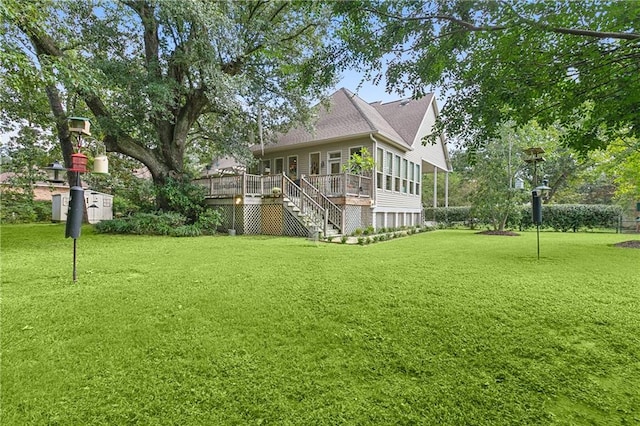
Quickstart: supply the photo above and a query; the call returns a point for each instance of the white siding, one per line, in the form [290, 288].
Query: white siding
[303, 154]
[434, 154]
[397, 199]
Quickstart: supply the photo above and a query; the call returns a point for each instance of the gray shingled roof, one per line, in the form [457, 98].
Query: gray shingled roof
[349, 115]
[405, 115]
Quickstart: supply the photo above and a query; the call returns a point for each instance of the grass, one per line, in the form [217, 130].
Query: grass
[446, 327]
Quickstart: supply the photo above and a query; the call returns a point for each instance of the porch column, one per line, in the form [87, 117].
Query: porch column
[446, 188]
[435, 187]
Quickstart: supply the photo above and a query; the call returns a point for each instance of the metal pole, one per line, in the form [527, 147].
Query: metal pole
[538, 237]
[75, 274]
[75, 271]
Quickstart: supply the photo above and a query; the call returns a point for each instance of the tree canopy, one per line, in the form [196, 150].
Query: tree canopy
[576, 63]
[166, 80]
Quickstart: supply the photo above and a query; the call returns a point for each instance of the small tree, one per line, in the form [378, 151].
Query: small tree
[360, 163]
[496, 201]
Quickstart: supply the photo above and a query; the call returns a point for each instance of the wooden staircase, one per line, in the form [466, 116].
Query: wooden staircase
[312, 209]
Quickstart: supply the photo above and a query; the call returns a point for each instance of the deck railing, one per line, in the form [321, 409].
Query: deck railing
[222, 186]
[341, 185]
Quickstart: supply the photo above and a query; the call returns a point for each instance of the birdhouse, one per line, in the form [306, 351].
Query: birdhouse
[80, 125]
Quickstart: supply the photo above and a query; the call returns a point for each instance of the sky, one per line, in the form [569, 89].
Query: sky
[352, 79]
[370, 93]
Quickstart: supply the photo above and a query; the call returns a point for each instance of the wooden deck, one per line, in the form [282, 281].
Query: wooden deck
[344, 185]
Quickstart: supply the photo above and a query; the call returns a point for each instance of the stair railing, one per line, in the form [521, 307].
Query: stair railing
[334, 213]
[307, 205]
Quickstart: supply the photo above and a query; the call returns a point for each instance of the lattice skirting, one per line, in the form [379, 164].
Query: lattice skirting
[261, 219]
[357, 217]
[272, 218]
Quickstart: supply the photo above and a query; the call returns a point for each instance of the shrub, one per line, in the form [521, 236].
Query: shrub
[449, 216]
[208, 221]
[184, 197]
[343, 239]
[186, 231]
[143, 224]
[573, 217]
[17, 208]
[361, 241]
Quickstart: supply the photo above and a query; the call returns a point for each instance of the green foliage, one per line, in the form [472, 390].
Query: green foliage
[359, 163]
[568, 62]
[22, 208]
[168, 82]
[208, 221]
[559, 217]
[143, 224]
[186, 231]
[575, 217]
[183, 196]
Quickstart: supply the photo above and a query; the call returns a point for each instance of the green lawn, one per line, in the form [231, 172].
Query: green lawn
[446, 327]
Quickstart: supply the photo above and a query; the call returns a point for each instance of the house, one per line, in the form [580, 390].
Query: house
[300, 182]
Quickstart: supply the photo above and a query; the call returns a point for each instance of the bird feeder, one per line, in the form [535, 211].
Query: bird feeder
[80, 125]
[79, 163]
[54, 172]
[101, 165]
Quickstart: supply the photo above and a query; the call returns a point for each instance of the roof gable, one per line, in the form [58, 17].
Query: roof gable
[349, 116]
[405, 116]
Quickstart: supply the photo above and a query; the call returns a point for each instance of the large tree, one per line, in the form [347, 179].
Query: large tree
[165, 79]
[572, 62]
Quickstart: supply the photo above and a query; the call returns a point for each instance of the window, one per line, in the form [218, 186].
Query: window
[404, 176]
[314, 163]
[265, 167]
[396, 173]
[411, 177]
[418, 179]
[334, 162]
[387, 171]
[278, 166]
[355, 150]
[379, 168]
[292, 167]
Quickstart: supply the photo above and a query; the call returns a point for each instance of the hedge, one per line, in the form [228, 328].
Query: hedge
[559, 217]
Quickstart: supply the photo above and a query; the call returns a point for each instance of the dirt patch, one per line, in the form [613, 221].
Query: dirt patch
[503, 233]
[629, 244]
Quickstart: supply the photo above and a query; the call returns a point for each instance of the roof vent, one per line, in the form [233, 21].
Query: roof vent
[404, 102]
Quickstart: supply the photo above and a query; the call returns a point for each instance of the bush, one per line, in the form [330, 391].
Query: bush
[186, 231]
[208, 221]
[449, 216]
[184, 197]
[143, 224]
[21, 208]
[560, 217]
[574, 217]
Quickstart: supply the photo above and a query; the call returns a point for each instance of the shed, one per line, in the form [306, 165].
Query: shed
[99, 206]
